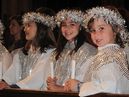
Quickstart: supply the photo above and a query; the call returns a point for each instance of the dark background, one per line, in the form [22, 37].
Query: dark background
[11, 7]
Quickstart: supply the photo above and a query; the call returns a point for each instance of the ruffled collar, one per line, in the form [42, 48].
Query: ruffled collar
[108, 46]
[70, 45]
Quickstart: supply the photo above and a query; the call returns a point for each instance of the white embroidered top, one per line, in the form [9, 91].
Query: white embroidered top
[107, 72]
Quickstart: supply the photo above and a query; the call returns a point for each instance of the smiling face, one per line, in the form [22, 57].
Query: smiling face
[70, 29]
[30, 30]
[102, 33]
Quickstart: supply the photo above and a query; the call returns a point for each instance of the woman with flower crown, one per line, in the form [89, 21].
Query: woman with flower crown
[29, 68]
[73, 46]
[107, 70]
[5, 57]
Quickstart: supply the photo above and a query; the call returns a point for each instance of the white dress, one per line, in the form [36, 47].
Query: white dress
[63, 67]
[5, 60]
[30, 72]
[107, 72]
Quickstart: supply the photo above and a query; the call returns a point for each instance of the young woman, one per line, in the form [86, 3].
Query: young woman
[72, 45]
[29, 65]
[107, 70]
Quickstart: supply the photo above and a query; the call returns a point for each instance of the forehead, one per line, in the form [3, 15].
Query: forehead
[97, 22]
[29, 22]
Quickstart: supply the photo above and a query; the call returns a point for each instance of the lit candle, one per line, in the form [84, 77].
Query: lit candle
[73, 69]
[52, 69]
[1, 71]
[30, 72]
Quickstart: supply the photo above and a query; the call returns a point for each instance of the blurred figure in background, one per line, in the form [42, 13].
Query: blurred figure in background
[16, 30]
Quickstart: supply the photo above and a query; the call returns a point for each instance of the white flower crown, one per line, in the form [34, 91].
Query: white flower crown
[111, 17]
[40, 18]
[74, 15]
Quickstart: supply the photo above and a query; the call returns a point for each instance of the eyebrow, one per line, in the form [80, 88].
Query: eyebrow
[102, 25]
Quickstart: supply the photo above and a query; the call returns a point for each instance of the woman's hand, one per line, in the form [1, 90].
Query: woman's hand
[51, 81]
[52, 86]
[3, 85]
[71, 85]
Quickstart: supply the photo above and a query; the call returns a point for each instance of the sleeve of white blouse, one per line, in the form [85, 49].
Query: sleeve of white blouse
[103, 80]
[36, 80]
[6, 61]
[39, 75]
[12, 74]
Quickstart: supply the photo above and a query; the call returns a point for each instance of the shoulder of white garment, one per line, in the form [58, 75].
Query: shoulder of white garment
[3, 49]
[89, 48]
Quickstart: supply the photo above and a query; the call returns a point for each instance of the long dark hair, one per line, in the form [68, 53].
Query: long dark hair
[82, 37]
[44, 38]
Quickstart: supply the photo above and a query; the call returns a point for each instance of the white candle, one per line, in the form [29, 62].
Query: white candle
[1, 71]
[52, 69]
[73, 69]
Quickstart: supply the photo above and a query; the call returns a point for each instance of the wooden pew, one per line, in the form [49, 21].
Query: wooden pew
[108, 95]
[34, 93]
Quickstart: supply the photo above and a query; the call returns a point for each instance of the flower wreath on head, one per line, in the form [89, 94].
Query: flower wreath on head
[40, 18]
[110, 17]
[75, 15]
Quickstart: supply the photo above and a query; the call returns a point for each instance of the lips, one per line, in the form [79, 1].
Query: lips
[68, 33]
[98, 40]
[26, 33]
